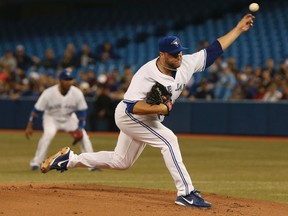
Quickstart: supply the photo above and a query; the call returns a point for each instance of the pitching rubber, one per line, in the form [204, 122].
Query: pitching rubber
[45, 166]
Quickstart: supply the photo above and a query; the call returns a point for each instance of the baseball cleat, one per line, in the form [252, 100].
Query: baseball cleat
[193, 199]
[57, 161]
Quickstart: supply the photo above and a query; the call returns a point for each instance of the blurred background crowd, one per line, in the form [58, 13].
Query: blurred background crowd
[21, 76]
[105, 47]
[224, 80]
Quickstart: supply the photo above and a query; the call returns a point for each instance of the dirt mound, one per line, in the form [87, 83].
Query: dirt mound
[41, 199]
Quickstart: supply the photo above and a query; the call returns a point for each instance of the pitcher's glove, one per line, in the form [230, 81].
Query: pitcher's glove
[77, 136]
[159, 94]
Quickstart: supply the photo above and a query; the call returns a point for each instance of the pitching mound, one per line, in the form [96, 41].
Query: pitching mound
[38, 199]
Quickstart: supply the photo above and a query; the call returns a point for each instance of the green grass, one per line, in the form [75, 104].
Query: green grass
[241, 168]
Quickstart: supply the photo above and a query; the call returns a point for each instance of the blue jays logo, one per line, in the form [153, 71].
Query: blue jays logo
[176, 42]
[68, 72]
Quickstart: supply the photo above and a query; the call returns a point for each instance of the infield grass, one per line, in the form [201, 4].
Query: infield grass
[248, 168]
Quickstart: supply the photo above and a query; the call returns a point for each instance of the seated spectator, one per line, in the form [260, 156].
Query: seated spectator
[284, 93]
[250, 89]
[215, 69]
[232, 64]
[85, 57]
[49, 61]
[4, 72]
[257, 75]
[103, 109]
[33, 88]
[270, 66]
[272, 94]
[241, 79]
[91, 78]
[24, 61]
[70, 47]
[248, 72]
[106, 52]
[126, 78]
[238, 94]
[203, 91]
[120, 84]
[87, 91]
[83, 77]
[9, 60]
[224, 87]
[266, 78]
[46, 81]
[113, 80]
[261, 91]
[67, 60]
[185, 95]
[282, 71]
[20, 84]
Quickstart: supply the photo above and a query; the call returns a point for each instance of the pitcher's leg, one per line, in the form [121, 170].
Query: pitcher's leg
[174, 163]
[157, 135]
[125, 154]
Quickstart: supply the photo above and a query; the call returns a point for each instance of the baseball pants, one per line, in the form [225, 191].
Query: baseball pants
[50, 127]
[137, 131]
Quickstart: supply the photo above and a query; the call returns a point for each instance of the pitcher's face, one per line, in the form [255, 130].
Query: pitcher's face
[173, 60]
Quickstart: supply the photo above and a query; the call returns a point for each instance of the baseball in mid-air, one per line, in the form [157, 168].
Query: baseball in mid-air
[254, 7]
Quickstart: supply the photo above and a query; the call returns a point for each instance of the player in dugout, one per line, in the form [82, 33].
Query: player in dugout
[140, 122]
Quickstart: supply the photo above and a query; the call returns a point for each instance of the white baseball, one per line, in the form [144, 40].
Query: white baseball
[254, 7]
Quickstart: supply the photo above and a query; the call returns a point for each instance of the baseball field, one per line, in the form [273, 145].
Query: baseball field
[239, 175]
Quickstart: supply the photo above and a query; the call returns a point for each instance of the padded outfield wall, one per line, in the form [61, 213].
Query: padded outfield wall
[230, 118]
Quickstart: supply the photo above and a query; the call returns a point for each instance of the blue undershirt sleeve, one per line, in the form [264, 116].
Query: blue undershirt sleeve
[130, 106]
[32, 117]
[38, 112]
[81, 114]
[213, 51]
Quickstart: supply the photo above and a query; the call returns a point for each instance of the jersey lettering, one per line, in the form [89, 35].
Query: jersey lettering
[73, 107]
[180, 87]
[55, 106]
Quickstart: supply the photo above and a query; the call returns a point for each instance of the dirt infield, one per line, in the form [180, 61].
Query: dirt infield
[87, 199]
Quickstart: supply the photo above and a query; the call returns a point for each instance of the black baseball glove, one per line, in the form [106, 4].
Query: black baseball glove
[159, 94]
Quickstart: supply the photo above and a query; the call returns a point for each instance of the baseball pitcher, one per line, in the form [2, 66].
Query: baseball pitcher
[150, 96]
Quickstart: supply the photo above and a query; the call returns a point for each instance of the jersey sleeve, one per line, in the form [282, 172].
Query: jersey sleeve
[195, 62]
[213, 51]
[42, 102]
[82, 104]
[134, 93]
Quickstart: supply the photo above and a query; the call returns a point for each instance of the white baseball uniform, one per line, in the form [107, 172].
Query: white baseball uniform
[59, 114]
[139, 130]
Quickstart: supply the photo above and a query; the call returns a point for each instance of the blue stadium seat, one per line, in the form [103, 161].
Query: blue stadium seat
[40, 33]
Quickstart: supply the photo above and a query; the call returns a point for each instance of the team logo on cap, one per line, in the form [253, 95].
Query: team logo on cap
[176, 42]
[68, 72]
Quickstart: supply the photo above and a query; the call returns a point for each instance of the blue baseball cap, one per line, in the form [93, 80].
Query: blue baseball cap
[170, 44]
[66, 74]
